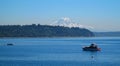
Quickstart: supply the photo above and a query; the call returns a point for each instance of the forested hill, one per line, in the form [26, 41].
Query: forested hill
[42, 31]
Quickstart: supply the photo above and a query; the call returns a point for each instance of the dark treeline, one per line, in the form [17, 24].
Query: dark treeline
[42, 31]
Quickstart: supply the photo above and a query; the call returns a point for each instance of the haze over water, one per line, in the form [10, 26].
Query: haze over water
[59, 52]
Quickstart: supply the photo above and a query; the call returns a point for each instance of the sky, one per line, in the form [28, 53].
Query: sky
[103, 15]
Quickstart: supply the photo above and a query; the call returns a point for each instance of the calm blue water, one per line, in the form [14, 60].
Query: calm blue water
[59, 52]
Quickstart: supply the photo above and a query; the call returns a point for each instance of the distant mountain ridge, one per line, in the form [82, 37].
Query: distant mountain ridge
[107, 34]
[67, 22]
[43, 31]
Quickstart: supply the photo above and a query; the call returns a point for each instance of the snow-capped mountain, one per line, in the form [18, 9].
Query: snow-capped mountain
[67, 22]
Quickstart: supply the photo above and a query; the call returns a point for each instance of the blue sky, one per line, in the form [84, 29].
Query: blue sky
[103, 15]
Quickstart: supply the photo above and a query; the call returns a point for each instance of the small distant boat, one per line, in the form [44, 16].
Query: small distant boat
[9, 44]
[92, 47]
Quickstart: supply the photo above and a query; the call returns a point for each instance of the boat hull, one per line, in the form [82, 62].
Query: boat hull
[91, 49]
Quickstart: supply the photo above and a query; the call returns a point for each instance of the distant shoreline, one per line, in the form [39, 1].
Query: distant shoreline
[61, 37]
[43, 31]
[107, 34]
[45, 37]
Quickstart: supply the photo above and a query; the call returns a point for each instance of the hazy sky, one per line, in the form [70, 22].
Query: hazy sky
[103, 15]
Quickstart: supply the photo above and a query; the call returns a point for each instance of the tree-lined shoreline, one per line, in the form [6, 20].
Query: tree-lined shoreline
[43, 31]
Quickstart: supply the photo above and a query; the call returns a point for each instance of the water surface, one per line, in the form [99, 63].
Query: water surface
[59, 52]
